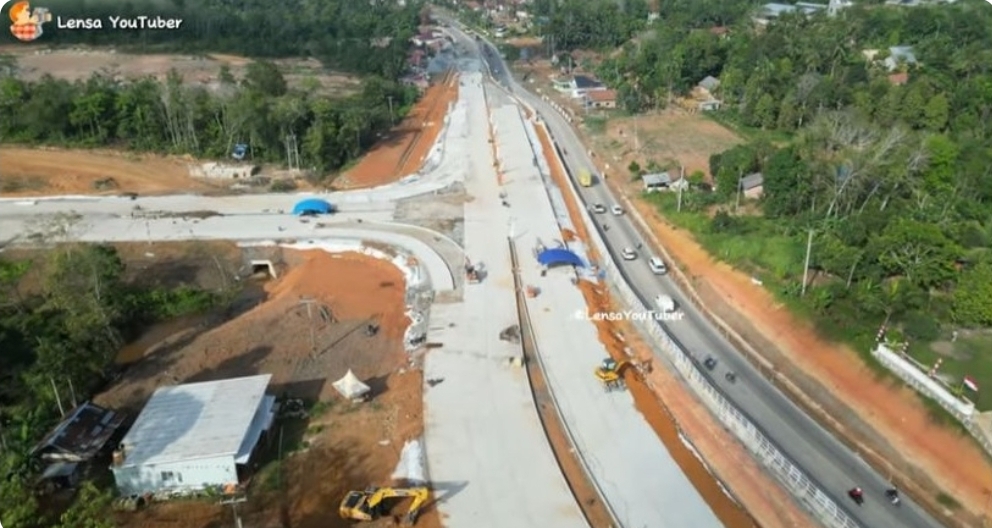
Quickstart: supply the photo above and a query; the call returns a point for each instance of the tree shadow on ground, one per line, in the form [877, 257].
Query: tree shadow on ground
[246, 364]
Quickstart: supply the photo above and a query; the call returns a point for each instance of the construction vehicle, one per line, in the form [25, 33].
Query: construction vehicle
[370, 504]
[585, 178]
[610, 374]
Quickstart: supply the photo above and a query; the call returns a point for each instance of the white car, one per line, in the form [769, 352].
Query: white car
[628, 254]
[617, 210]
[657, 266]
[599, 208]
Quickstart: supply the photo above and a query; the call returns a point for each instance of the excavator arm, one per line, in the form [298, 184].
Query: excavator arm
[368, 505]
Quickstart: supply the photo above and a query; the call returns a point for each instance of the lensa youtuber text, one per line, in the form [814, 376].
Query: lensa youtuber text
[118, 22]
[628, 315]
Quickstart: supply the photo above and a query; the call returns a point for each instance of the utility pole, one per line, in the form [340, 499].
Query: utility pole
[637, 141]
[681, 186]
[809, 250]
[234, 501]
[292, 152]
[740, 187]
[313, 335]
[58, 399]
[391, 118]
[72, 392]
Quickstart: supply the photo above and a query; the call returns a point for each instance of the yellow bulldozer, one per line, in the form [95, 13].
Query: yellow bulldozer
[370, 504]
[610, 374]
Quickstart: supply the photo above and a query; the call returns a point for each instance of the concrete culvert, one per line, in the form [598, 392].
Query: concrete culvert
[263, 268]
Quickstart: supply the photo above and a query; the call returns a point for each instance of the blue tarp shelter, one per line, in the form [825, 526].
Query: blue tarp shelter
[550, 257]
[312, 206]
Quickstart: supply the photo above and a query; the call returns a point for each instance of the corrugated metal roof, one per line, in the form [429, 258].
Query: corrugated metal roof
[195, 420]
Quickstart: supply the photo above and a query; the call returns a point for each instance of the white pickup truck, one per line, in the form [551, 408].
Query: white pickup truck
[665, 303]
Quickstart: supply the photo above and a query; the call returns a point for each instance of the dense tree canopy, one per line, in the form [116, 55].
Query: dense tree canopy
[177, 118]
[888, 166]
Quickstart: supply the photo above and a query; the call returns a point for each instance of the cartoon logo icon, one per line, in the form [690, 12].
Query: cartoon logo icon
[27, 23]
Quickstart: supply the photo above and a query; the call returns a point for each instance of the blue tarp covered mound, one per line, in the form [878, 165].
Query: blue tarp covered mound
[312, 206]
[551, 257]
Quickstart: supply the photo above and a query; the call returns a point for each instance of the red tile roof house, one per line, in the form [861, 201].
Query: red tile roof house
[600, 99]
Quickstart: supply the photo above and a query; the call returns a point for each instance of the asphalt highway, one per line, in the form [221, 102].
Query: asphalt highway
[829, 464]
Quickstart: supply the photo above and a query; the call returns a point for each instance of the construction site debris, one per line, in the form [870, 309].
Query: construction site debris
[410, 469]
[511, 334]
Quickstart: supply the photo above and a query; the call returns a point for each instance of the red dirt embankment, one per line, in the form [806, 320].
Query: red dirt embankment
[404, 150]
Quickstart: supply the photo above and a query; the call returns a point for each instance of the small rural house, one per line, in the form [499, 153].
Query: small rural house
[600, 99]
[80, 435]
[76, 440]
[656, 182]
[752, 185]
[194, 436]
[578, 86]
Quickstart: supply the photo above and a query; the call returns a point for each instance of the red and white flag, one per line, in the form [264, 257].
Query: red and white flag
[970, 383]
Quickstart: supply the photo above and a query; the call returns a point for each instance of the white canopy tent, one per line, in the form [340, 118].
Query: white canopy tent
[351, 387]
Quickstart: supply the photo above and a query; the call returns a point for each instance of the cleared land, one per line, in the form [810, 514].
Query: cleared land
[79, 63]
[340, 446]
[403, 150]
[664, 138]
[44, 171]
[38, 172]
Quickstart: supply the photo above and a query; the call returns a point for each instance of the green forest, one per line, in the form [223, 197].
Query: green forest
[883, 170]
[261, 110]
[65, 331]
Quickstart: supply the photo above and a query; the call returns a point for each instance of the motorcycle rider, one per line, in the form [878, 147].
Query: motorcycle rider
[857, 494]
[893, 495]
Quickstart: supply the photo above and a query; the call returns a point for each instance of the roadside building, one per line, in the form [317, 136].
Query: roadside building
[657, 182]
[194, 436]
[600, 99]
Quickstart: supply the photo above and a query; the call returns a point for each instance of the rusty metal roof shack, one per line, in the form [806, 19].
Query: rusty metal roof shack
[81, 435]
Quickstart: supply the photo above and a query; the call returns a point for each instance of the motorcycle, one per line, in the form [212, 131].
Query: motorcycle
[857, 496]
[893, 496]
[731, 377]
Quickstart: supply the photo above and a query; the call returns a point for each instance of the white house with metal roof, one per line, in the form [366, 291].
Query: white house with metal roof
[194, 436]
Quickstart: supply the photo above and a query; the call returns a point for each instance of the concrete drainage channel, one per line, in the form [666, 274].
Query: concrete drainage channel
[588, 496]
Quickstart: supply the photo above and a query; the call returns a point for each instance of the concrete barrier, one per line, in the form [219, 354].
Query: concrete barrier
[902, 367]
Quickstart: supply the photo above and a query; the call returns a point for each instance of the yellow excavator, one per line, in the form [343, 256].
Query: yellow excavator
[369, 505]
[610, 374]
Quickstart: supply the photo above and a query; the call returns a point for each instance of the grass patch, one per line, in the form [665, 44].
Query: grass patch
[12, 184]
[947, 501]
[765, 251]
[730, 119]
[268, 477]
[595, 124]
[967, 356]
